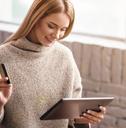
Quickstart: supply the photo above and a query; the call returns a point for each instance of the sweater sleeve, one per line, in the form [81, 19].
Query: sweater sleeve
[77, 92]
[1, 115]
[82, 126]
[77, 85]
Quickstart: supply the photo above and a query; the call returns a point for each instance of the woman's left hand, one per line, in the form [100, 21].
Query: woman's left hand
[92, 117]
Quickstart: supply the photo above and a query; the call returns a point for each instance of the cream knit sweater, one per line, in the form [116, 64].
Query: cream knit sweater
[40, 76]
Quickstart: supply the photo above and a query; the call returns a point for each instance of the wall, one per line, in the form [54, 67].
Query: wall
[103, 72]
[4, 35]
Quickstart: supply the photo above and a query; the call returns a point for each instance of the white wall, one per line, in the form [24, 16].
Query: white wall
[5, 9]
[104, 17]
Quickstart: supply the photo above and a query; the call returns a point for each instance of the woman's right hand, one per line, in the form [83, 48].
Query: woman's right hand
[5, 92]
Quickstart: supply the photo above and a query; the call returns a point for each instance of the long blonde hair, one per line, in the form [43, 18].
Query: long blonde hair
[40, 9]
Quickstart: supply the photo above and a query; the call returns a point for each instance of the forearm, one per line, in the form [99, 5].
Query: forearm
[73, 124]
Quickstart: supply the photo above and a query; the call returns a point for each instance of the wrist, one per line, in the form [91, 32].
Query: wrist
[79, 124]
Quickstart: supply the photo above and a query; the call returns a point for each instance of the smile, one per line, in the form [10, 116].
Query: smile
[50, 41]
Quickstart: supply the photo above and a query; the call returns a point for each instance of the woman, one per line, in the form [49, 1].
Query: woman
[41, 70]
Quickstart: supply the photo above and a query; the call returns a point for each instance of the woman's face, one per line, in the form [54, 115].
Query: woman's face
[49, 29]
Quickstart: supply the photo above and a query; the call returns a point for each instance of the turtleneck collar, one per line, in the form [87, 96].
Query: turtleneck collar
[26, 45]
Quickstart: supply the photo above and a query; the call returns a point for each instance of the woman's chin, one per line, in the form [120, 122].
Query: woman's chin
[48, 44]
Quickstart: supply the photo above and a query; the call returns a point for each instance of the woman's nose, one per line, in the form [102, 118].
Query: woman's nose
[56, 34]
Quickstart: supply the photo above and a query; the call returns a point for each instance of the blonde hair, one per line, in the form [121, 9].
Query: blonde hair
[40, 9]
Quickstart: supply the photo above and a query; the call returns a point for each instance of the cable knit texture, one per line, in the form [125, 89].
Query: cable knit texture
[40, 76]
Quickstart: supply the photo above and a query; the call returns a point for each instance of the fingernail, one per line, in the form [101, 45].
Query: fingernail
[6, 78]
[88, 111]
[84, 114]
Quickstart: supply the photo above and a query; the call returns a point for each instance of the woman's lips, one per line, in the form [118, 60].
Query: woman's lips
[49, 40]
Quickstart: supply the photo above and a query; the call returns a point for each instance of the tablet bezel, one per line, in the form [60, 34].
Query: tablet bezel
[70, 108]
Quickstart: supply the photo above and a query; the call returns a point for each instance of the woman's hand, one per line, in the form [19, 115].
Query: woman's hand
[5, 91]
[92, 117]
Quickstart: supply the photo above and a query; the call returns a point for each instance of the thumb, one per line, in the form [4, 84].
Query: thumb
[3, 100]
[7, 91]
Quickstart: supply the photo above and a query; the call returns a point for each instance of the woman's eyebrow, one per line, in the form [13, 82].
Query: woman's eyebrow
[57, 25]
[53, 23]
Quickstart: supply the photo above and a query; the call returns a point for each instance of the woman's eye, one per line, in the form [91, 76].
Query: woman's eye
[51, 26]
[63, 29]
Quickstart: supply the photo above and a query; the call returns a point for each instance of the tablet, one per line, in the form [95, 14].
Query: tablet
[70, 108]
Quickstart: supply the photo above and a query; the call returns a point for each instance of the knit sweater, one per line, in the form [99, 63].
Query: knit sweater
[41, 76]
